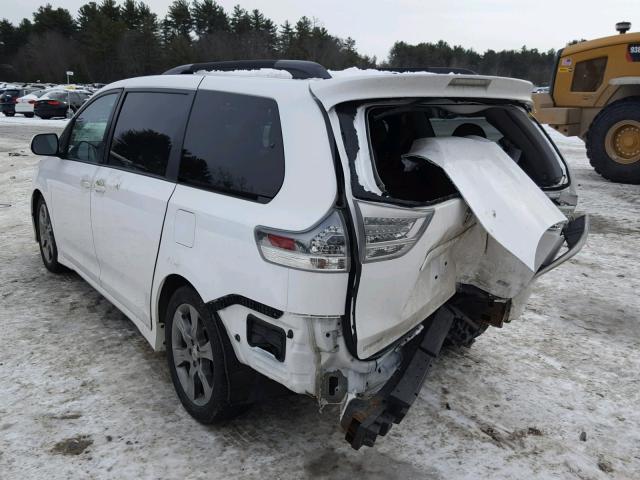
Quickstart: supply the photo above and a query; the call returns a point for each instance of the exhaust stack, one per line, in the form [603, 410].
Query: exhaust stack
[623, 27]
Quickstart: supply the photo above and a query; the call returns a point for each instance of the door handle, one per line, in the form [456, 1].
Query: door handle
[99, 186]
[85, 183]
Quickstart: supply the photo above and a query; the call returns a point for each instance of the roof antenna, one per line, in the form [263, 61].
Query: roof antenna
[623, 27]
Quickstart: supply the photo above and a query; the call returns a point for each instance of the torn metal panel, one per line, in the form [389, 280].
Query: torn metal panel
[508, 204]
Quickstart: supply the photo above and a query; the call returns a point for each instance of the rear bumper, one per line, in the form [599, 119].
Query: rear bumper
[24, 108]
[309, 356]
[365, 419]
[51, 112]
[575, 234]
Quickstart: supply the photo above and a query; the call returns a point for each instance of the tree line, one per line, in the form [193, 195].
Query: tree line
[107, 41]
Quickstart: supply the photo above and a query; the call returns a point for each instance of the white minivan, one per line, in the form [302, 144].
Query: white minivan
[271, 222]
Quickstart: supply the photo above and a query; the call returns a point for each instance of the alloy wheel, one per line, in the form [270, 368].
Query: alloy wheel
[46, 234]
[192, 354]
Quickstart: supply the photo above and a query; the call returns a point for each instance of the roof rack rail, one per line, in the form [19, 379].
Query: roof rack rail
[299, 69]
[445, 70]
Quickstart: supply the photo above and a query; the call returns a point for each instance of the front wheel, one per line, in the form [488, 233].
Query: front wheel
[9, 114]
[197, 358]
[46, 239]
[28, 115]
[613, 142]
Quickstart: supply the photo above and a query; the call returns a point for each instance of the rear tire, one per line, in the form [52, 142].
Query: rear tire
[613, 140]
[9, 114]
[45, 117]
[197, 358]
[28, 115]
[46, 239]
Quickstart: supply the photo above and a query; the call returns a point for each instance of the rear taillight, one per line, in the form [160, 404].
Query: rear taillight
[32, 102]
[53, 102]
[390, 234]
[321, 248]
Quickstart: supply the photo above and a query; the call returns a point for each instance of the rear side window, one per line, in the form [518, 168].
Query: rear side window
[149, 127]
[234, 145]
[588, 75]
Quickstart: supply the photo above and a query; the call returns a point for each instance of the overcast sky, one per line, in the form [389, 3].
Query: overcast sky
[376, 24]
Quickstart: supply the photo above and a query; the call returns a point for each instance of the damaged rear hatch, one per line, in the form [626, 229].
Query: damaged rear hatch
[452, 184]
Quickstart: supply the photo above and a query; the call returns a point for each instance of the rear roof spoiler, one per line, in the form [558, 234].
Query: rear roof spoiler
[299, 69]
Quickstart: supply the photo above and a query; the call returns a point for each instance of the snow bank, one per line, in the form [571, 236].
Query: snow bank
[21, 120]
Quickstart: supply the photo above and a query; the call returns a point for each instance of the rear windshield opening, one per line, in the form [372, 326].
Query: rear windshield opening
[393, 129]
[392, 135]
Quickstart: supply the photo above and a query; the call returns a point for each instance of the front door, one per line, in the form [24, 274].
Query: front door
[71, 182]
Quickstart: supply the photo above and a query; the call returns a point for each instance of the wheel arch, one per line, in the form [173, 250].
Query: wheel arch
[35, 198]
[619, 92]
[166, 289]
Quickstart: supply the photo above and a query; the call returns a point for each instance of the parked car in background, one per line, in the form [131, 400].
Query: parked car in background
[57, 102]
[9, 97]
[24, 105]
[540, 90]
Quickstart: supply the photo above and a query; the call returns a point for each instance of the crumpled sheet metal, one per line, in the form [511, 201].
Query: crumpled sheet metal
[509, 205]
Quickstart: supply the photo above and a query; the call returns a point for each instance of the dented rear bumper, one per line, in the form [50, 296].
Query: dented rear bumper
[364, 419]
[575, 234]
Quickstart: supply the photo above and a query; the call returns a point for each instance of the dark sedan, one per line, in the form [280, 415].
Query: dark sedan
[56, 104]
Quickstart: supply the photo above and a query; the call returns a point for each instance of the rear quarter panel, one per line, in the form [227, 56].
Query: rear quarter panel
[224, 258]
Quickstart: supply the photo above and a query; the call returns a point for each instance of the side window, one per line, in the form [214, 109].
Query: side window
[588, 75]
[234, 144]
[149, 126]
[86, 140]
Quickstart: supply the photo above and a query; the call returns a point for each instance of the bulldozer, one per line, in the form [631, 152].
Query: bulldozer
[594, 94]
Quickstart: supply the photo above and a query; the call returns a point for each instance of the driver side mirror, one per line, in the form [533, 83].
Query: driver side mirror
[45, 144]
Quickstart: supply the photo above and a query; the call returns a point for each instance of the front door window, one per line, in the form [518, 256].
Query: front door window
[86, 142]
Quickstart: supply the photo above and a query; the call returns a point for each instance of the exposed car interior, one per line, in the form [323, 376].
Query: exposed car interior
[393, 129]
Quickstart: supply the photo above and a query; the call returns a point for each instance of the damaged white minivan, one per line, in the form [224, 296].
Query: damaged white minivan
[267, 222]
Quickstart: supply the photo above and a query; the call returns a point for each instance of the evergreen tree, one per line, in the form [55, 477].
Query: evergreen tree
[240, 21]
[178, 22]
[209, 17]
[46, 19]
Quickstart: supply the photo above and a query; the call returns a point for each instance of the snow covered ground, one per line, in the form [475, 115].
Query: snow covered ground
[553, 395]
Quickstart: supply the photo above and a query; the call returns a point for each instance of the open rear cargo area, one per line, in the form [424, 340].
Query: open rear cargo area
[451, 197]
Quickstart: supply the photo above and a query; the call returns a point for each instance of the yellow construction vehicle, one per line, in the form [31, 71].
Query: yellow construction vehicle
[595, 94]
